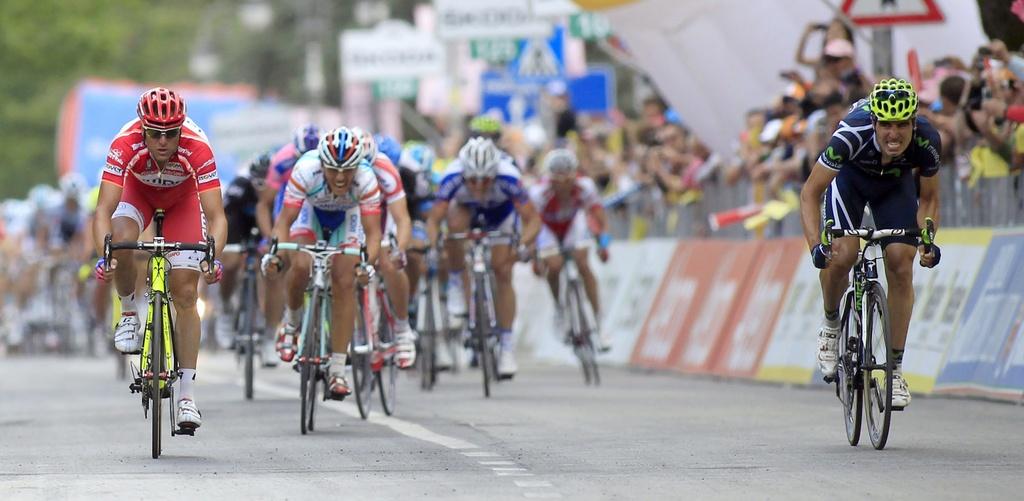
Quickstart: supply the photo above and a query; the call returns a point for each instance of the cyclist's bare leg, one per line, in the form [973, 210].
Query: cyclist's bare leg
[343, 304]
[899, 273]
[414, 266]
[297, 276]
[184, 289]
[589, 280]
[397, 284]
[273, 299]
[502, 259]
[836, 278]
[553, 266]
[125, 229]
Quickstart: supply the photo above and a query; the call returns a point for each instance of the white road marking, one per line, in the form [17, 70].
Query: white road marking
[513, 474]
[481, 454]
[406, 428]
[542, 495]
[509, 469]
[532, 483]
[497, 463]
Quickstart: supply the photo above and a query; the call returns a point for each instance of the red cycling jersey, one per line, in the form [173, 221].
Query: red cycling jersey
[558, 214]
[191, 169]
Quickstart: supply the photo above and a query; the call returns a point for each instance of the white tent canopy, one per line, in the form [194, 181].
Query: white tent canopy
[714, 60]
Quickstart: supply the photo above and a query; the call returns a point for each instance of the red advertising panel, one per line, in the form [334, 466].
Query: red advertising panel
[724, 268]
[671, 309]
[748, 330]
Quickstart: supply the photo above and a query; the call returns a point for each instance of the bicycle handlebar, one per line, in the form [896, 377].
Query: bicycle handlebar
[159, 245]
[477, 235]
[927, 234]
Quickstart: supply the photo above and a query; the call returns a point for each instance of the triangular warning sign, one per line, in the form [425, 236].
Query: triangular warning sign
[537, 60]
[887, 12]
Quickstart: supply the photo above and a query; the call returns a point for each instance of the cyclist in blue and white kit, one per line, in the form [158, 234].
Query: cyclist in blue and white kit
[332, 195]
[870, 160]
[481, 185]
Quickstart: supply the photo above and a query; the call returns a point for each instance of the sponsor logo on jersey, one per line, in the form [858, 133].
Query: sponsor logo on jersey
[208, 177]
[184, 151]
[115, 155]
[831, 154]
[138, 146]
[113, 169]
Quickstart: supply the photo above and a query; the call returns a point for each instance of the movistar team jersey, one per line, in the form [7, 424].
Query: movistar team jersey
[854, 144]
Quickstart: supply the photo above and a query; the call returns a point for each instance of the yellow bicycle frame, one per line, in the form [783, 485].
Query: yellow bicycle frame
[158, 266]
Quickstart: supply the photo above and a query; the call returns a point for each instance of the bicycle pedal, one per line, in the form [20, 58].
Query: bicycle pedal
[898, 409]
[505, 377]
[190, 431]
[828, 379]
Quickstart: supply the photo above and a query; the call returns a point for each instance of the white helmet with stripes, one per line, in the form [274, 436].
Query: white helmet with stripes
[479, 158]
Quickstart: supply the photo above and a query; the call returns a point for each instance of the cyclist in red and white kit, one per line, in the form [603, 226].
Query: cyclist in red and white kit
[571, 210]
[162, 160]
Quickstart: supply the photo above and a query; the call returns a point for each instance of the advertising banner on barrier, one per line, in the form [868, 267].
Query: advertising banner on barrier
[728, 266]
[790, 356]
[940, 296]
[987, 353]
[689, 271]
[747, 333]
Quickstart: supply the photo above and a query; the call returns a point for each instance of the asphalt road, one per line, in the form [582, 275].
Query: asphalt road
[69, 430]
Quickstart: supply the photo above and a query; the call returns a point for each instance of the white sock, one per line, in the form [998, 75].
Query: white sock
[188, 377]
[127, 303]
[401, 324]
[338, 363]
[455, 278]
[293, 317]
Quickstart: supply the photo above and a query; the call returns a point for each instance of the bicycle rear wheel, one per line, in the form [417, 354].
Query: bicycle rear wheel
[308, 362]
[362, 366]
[427, 338]
[156, 367]
[878, 366]
[849, 389]
[387, 375]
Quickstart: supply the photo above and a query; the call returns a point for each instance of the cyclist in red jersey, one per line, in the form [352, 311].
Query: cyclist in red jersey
[571, 210]
[161, 160]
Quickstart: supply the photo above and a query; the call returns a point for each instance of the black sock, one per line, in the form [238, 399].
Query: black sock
[832, 315]
[897, 356]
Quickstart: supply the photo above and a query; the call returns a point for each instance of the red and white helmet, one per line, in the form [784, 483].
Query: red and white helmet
[161, 108]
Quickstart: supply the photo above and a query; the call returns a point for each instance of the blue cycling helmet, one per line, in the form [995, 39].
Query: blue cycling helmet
[306, 138]
[389, 147]
[418, 156]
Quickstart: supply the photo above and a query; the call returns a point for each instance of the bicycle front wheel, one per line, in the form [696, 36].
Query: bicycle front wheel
[362, 363]
[848, 388]
[878, 365]
[582, 345]
[482, 333]
[309, 362]
[387, 375]
[428, 338]
[156, 367]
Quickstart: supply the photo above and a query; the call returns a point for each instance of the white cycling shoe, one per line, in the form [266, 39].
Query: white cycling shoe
[225, 328]
[127, 338]
[900, 391]
[188, 416]
[507, 366]
[444, 360]
[456, 298]
[406, 344]
[827, 350]
[268, 352]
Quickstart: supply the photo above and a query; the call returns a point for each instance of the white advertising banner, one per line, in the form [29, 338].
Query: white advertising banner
[392, 50]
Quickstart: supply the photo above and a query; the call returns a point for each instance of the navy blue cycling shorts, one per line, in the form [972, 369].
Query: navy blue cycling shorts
[893, 202]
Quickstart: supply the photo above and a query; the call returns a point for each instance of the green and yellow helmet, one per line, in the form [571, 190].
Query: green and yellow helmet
[893, 99]
[485, 126]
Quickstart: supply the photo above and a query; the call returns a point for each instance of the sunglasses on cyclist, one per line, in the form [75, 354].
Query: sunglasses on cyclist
[890, 94]
[169, 133]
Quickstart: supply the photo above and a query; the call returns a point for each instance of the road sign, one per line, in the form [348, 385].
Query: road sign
[553, 8]
[497, 51]
[519, 99]
[465, 20]
[889, 12]
[589, 26]
[541, 58]
[392, 50]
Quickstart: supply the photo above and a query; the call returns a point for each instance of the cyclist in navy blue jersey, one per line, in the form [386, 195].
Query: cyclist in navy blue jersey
[871, 161]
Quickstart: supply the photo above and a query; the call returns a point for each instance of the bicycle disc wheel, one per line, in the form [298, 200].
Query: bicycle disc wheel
[427, 339]
[849, 390]
[307, 366]
[362, 367]
[387, 376]
[878, 367]
[248, 328]
[156, 366]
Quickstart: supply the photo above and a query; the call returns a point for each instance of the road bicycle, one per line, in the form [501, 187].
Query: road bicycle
[247, 332]
[864, 368]
[314, 345]
[574, 304]
[434, 330]
[157, 371]
[374, 348]
[482, 318]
